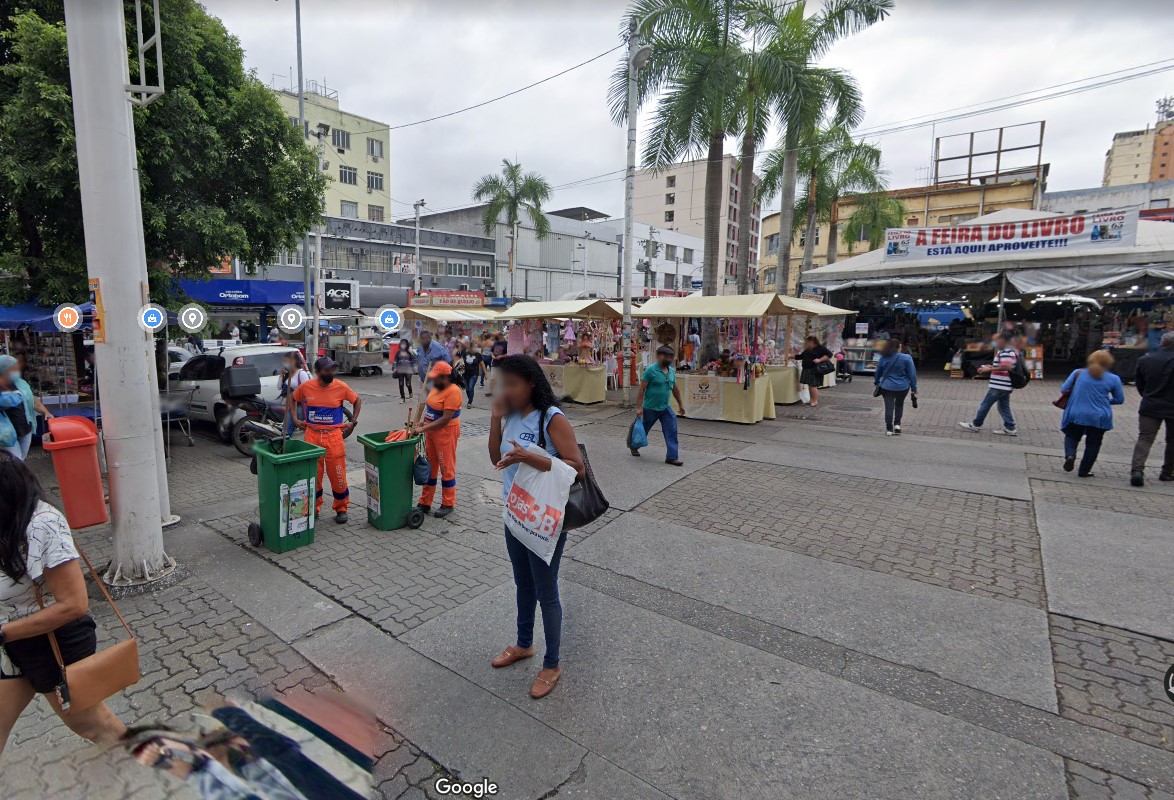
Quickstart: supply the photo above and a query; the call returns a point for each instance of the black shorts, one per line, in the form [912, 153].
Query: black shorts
[35, 660]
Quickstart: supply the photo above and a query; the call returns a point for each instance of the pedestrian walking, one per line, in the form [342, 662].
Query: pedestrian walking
[1092, 393]
[813, 353]
[658, 382]
[496, 354]
[403, 367]
[1155, 383]
[431, 353]
[896, 378]
[18, 409]
[38, 557]
[441, 428]
[326, 425]
[293, 375]
[525, 407]
[474, 372]
[486, 355]
[1000, 388]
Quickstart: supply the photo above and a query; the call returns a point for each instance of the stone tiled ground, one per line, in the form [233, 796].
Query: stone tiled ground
[980, 545]
[1090, 783]
[1105, 498]
[1112, 679]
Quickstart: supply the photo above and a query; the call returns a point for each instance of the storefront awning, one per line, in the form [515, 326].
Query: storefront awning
[38, 319]
[737, 306]
[447, 315]
[561, 309]
[228, 292]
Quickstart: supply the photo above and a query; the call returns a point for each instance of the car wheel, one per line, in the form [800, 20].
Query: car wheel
[224, 425]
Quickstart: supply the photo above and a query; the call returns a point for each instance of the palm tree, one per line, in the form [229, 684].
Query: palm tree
[873, 214]
[814, 94]
[695, 73]
[512, 194]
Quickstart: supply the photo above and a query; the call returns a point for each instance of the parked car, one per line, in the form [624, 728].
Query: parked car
[176, 357]
[201, 375]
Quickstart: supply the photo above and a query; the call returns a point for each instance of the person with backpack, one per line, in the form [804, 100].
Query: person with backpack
[1007, 374]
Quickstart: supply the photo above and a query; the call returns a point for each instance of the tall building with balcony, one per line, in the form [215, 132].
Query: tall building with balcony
[673, 199]
[353, 151]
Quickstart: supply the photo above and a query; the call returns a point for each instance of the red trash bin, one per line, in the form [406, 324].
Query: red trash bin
[73, 444]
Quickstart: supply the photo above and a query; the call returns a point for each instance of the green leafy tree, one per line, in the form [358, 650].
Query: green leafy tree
[871, 215]
[222, 171]
[510, 196]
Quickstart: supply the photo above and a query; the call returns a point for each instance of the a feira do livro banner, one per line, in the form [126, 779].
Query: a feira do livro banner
[1085, 231]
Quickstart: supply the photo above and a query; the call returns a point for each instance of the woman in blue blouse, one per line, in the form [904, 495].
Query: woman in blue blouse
[1089, 413]
[896, 378]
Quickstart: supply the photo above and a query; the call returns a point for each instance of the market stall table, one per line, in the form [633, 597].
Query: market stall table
[578, 382]
[727, 399]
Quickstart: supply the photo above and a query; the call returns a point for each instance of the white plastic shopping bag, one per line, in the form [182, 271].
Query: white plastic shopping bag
[804, 393]
[535, 505]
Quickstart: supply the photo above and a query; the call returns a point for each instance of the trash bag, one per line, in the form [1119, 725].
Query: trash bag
[637, 436]
[804, 393]
[421, 470]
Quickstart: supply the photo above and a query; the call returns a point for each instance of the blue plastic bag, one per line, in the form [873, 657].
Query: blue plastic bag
[421, 470]
[637, 436]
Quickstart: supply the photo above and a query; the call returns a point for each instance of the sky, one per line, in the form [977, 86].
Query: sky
[401, 61]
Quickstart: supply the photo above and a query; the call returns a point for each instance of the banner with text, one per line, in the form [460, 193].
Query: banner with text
[1085, 231]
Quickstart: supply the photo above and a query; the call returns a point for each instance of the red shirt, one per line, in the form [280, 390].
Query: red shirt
[323, 403]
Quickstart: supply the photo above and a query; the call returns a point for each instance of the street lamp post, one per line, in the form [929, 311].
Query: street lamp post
[417, 206]
[308, 296]
[637, 57]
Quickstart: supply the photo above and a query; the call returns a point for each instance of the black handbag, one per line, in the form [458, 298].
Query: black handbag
[586, 502]
[825, 367]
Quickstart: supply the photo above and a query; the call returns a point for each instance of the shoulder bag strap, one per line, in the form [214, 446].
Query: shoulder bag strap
[94, 573]
[542, 430]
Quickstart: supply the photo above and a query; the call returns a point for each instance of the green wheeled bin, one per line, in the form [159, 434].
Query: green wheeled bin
[389, 482]
[287, 487]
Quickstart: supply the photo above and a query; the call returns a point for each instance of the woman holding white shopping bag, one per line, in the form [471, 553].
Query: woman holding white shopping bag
[524, 418]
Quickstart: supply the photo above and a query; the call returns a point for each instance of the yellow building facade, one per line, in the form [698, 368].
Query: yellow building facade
[943, 204]
[353, 151]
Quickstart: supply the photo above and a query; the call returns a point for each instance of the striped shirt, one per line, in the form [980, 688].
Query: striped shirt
[1001, 376]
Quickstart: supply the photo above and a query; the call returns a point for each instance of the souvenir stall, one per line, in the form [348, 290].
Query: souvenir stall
[574, 340]
[447, 323]
[55, 364]
[736, 387]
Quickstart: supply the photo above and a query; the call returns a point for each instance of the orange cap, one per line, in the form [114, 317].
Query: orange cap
[440, 368]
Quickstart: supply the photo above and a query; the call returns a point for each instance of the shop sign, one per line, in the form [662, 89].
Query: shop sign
[554, 374]
[340, 295]
[1086, 231]
[706, 390]
[446, 299]
[99, 313]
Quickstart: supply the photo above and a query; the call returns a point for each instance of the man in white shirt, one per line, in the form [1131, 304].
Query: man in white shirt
[999, 391]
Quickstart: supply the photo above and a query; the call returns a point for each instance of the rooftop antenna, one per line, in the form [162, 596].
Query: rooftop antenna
[1165, 108]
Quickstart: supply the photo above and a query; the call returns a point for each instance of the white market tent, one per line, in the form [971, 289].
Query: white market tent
[735, 306]
[1033, 271]
[561, 309]
[447, 315]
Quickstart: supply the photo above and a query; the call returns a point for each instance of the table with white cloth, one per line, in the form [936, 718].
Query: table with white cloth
[727, 399]
[581, 383]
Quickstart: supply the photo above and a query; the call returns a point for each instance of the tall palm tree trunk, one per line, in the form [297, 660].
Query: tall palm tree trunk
[834, 233]
[714, 167]
[787, 207]
[746, 208]
[809, 242]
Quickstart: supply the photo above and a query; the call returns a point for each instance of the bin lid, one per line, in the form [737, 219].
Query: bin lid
[376, 441]
[67, 432]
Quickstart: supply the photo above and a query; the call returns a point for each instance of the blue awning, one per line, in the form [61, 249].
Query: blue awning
[227, 292]
[38, 319]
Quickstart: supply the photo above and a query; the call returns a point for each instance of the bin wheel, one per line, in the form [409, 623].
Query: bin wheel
[415, 518]
[255, 535]
[377, 370]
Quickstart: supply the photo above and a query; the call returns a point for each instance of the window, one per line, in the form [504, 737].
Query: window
[863, 235]
[1160, 203]
[803, 238]
[267, 364]
[480, 269]
[375, 181]
[688, 255]
[670, 251]
[669, 216]
[671, 198]
[772, 243]
[431, 266]
[348, 209]
[340, 139]
[374, 148]
[348, 175]
[375, 213]
[670, 281]
[376, 261]
[671, 181]
[911, 221]
[458, 268]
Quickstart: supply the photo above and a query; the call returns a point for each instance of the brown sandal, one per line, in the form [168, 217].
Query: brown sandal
[511, 655]
[545, 685]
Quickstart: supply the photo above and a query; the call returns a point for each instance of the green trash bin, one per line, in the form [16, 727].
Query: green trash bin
[287, 487]
[389, 482]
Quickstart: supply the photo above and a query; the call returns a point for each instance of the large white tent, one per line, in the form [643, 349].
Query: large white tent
[1029, 271]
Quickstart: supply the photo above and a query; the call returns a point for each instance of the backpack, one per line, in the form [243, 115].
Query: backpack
[1018, 374]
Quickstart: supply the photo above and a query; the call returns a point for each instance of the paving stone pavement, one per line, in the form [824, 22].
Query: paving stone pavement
[1112, 735]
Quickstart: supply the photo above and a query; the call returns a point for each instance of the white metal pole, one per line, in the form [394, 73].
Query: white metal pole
[116, 256]
[629, 198]
[312, 357]
[418, 279]
[308, 297]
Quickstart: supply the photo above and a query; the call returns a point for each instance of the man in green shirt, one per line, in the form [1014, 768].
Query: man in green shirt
[656, 384]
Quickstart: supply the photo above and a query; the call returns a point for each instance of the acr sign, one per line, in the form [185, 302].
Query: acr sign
[340, 295]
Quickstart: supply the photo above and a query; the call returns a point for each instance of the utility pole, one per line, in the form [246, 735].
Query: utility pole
[637, 57]
[116, 256]
[417, 206]
[317, 328]
[309, 302]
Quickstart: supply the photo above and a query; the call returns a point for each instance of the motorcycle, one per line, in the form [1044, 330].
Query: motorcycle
[263, 420]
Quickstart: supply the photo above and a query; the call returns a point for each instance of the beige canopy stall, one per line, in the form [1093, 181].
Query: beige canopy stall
[583, 380]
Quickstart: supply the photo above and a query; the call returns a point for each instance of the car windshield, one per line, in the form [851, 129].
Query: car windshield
[267, 364]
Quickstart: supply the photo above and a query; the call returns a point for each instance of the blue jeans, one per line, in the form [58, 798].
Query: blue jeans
[21, 448]
[537, 582]
[1001, 398]
[668, 426]
[471, 388]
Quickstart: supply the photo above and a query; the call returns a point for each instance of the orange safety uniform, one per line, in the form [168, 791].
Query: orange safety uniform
[441, 445]
[324, 424]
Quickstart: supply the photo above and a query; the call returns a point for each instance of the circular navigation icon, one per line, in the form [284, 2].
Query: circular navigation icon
[193, 318]
[1169, 683]
[390, 318]
[67, 317]
[152, 318]
[291, 318]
